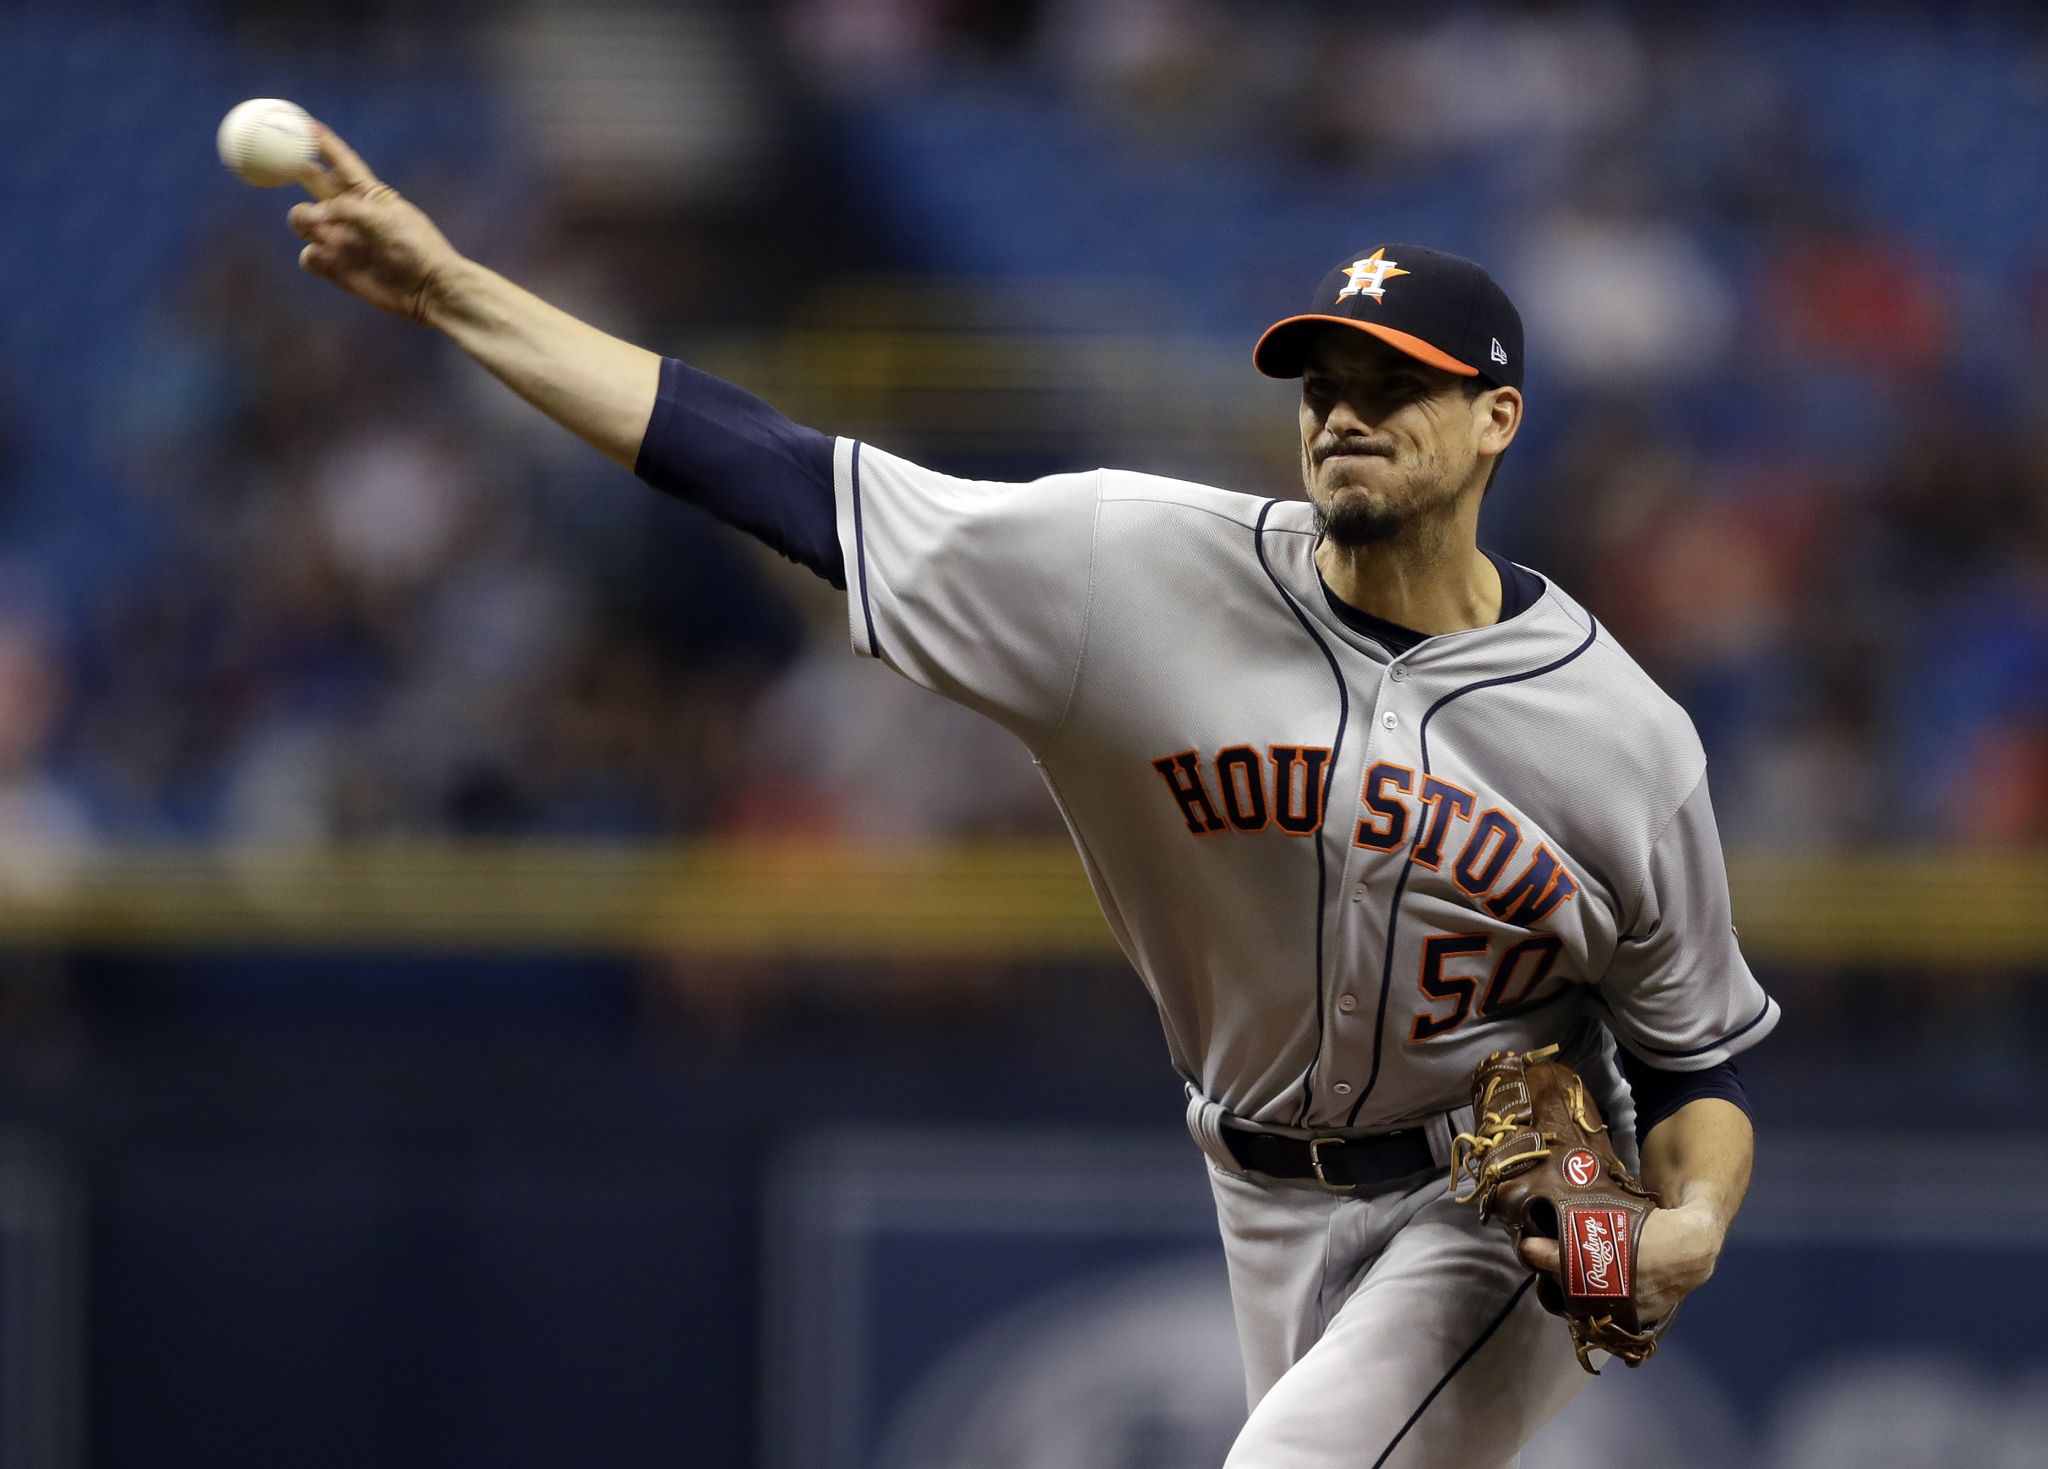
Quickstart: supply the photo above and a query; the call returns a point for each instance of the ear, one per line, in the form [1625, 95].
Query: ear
[1503, 420]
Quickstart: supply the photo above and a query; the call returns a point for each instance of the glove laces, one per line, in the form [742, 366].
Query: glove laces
[1477, 1156]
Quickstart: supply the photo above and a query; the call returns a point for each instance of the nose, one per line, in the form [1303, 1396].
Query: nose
[1346, 418]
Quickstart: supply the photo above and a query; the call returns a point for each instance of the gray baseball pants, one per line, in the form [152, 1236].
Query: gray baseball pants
[1393, 1330]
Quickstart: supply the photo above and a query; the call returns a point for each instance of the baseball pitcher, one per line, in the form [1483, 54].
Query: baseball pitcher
[1365, 805]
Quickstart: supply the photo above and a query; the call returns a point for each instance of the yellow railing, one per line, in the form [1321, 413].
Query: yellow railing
[756, 899]
[1025, 900]
[1954, 910]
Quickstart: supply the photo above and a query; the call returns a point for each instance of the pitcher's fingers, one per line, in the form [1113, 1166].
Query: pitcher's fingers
[1541, 1254]
[317, 179]
[315, 261]
[305, 219]
[351, 170]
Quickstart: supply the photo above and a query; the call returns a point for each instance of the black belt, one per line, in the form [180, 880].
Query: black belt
[1334, 1162]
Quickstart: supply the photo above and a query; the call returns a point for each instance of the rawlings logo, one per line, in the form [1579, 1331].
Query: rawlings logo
[1596, 1254]
[1599, 1250]
[1581, 1168]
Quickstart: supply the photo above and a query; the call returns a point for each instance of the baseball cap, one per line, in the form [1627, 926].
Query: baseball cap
[1438, 308]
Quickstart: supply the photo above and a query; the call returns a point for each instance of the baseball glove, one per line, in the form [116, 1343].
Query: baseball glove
[1538, 1160]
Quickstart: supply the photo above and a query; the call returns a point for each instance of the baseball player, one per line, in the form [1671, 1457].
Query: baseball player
[1361, 801]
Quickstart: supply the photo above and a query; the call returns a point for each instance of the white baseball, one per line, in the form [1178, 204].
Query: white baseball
[266, 141]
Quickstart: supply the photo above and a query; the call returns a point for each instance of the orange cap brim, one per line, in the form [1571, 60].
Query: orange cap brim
[1284, 346]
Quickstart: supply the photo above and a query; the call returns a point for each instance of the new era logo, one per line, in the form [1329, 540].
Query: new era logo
[1499, 353]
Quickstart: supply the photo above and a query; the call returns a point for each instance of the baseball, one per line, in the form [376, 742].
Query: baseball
[266, 141]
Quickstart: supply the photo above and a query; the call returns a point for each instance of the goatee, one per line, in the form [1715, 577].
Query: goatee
[1355, 522]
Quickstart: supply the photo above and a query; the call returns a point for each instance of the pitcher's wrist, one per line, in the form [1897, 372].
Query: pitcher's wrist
[449, 296]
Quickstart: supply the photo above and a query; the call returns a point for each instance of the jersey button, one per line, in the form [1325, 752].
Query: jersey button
[1358, 893]
[1347, 1003]
[1390, 719]
[1342, 1088]
[1397, 673]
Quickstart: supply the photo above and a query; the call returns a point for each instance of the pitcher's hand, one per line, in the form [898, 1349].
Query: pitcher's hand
[361, 234]
[1674, 1258]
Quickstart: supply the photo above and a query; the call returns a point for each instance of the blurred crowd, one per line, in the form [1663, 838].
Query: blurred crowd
[1790, 447]
[385, 603]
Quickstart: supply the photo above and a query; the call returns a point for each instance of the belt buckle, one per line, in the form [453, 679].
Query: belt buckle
[1315, 1161]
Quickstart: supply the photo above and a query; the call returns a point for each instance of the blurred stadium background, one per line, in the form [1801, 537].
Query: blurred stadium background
[488, 979]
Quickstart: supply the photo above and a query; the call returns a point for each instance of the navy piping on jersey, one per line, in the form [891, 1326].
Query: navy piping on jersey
[1401, 883]
[1456, 1367]
[1735, 1034]
[1329, 779]
[860, 548]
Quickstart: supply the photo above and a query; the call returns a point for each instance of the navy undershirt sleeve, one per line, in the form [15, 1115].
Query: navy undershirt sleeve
[721, 448]
[1659, 1093]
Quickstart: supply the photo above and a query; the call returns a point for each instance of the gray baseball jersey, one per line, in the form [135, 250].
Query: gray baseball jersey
[1345, 877]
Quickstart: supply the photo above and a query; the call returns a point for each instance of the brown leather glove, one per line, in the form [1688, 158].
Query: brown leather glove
[1538, 1160]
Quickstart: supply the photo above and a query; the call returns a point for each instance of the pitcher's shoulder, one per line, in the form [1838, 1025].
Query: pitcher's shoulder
[1152, 495]
[1623, 698]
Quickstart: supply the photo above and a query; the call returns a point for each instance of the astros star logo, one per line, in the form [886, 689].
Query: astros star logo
[1370, 275]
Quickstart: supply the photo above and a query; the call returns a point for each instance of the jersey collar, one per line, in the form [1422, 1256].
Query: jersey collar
[1550, 624]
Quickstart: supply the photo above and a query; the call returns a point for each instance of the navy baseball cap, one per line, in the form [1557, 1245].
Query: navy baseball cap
[1438, 308]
